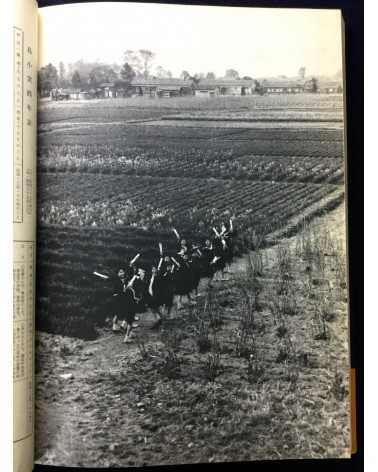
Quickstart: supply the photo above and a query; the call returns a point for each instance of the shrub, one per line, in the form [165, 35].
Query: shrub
[171, 361]
[255, 369]
[201, 331]
[213, 366]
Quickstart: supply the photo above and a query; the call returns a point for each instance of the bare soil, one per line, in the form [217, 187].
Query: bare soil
[103, 403]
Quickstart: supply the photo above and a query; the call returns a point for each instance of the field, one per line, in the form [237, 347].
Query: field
[114, 177]
[107, 173]
[266, 384]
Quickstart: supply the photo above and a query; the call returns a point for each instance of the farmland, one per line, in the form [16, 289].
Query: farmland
[273, 383]
[108, 173]
[263, 371]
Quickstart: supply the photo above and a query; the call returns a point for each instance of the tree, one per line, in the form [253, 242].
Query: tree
[247, 77]
[47, 78]
[210, 75]
[195, 78]
[185, 75]
[232, 74]
[258, 88]
[85, 68]
[76, 79]
[199, 75]
[140, 60]
[133, 59]
[162, 73]
[147, 58]
[314, 85]
[62, 74]
[101, 74]
[127, 73]
[302, 72]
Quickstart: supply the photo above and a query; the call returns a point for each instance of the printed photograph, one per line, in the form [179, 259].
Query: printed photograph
[192, 298]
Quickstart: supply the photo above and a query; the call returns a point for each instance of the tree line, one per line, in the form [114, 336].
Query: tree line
[137, 64]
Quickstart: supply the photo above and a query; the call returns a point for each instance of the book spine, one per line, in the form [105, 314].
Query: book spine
[25, 63]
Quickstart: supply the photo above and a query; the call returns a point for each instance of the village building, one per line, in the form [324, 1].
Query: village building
[212, 87]
[330, 87]
[108, 90]
[274, 86]
[171, 87]
[75, 94]
[167, 87]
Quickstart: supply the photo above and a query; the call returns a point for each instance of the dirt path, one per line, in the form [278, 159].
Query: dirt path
[88, 396]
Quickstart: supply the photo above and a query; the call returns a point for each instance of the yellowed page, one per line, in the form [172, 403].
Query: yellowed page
[25, 35]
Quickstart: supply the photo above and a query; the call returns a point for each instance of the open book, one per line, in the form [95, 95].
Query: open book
[186, 248]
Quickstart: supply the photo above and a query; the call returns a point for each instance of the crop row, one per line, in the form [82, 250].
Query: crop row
[219, 148]
[123, 109]
[68, 254]
[311, 141]
[77, 251]
[162, 193]
[139, 134]
[250, 167]
[256, 115]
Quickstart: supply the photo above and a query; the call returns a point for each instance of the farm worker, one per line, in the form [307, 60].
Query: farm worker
[167, 288]
[207, 256]
[164, 263]
[154, 299]
[227, 233]
[119, 289]
[134, 291]
[139, 285]
[121, 305]
[134, 300]
[183, 279]
[195, 269]
[220, 247]
[185, 248]
[132, 268]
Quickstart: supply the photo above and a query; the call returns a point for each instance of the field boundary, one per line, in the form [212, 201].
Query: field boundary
[328, 203]
[251, 120]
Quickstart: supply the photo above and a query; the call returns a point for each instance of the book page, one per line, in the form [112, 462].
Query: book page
[25, 36]
[192, 279]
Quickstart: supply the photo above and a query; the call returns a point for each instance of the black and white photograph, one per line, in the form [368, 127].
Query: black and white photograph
[192, 284]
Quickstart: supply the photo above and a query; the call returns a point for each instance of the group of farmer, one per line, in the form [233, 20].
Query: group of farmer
[135, 290]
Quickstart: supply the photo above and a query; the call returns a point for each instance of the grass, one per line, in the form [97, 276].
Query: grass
[257, 396]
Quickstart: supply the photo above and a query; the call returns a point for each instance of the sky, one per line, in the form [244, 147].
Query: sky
[257, 42]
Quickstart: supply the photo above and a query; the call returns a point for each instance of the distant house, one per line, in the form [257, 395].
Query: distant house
[119, 88]
[108, 90]
[330, 87]
[82, 95]
[59, 94]
[155, 87]
[278, 86]
[69, 94]
[212, 87]
[74, 94]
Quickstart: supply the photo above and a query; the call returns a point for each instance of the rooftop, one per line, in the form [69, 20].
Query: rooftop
[283, 83]
[156, 82]
[212, 83]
